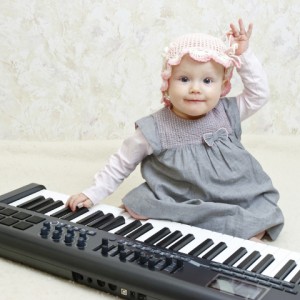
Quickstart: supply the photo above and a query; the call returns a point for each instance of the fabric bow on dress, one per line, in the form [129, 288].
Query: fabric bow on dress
[211, 137]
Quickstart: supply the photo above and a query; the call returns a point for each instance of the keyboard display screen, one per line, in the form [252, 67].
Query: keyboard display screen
[236, 287]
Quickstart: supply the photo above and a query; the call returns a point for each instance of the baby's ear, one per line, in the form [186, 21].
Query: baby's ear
[224, 86]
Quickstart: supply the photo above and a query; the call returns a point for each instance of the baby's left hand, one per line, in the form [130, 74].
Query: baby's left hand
[241, 36]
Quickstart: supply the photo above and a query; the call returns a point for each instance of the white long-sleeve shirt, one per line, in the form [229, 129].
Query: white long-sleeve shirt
[135, 148]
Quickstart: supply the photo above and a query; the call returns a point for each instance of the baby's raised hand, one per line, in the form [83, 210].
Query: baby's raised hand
[78, 201]
[240, 36]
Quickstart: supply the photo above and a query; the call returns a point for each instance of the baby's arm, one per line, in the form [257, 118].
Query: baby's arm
[120, 166]
[256, 88]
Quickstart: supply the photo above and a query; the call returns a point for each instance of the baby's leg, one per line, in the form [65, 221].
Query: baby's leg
[133, 214]
[257, 238]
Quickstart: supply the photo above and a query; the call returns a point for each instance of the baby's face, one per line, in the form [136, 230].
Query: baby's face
[195, 87]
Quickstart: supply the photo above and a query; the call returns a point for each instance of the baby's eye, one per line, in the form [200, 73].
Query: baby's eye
[207, 81]
[184, 79]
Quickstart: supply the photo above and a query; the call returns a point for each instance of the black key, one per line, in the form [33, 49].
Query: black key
[250, 260]
[215, 251]
[201, 247]
[74, 214]
[140, 231]
[286, 269]
[237, 255]
[170, 239]
[50, 207]
[112, 224]
[129, 227]
[62, 212]
[182, 242]
[40, 204]
[296, 278]
[90, 218]
[263, 264]
[31, 201]
[101, 220]
[157, 236]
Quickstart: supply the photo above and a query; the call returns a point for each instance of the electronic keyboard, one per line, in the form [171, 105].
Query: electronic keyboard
[106, 249]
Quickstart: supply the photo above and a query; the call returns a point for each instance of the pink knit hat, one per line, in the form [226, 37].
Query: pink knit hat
[202, 48]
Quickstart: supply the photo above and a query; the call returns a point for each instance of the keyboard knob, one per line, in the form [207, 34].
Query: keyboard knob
[59, 228]
[44, 232]
[104, 250]
[80, 243]
[68, 239]
[47, 224]
[56, 235]
[122, 255]
[82, 233]
[121, 246]
[104, 242]
[71, 231]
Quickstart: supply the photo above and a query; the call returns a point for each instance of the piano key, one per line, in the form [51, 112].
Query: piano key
[116, 211]
[249, 260]
[40, 204]
[30, 202]
[101, 220]
[61, 212]
[201, 235]
[234, 245]
[201, 247]
[114, 223]
[177, 246]
[296, 278]
[157, 236]
[157, 225]
[252, 247]
[140, 231]
[176, 235]
[215, 251]
[281, 257]
[74, 214]
[265, 251]
[90, 218]
[50, 207]
[290, 276]
[128, 227]
[285, 270]
[43, 193]
[263, 264]
[231, 260]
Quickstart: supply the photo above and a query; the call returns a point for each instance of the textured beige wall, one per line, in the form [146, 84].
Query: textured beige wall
[88, 69]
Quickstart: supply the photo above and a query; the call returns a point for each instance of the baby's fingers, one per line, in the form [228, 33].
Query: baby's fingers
[76, 200]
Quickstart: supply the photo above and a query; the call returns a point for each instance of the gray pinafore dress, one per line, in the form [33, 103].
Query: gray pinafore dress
[200, 174]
